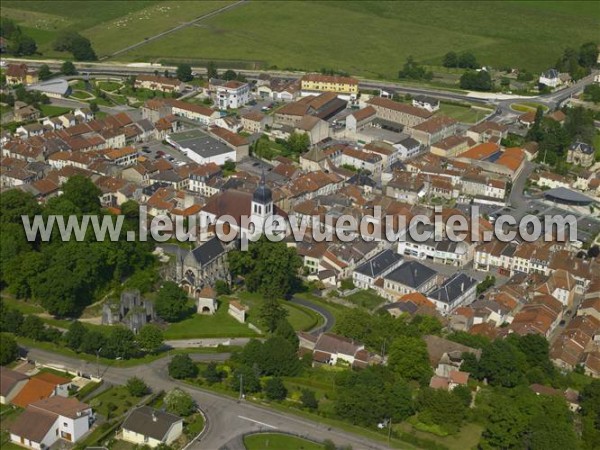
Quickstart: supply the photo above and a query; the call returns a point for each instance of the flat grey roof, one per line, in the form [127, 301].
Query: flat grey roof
[562, 194]
[200, 143]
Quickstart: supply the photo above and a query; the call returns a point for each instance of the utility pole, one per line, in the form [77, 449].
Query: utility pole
[98, 361]
[241, 386]
[389, 431]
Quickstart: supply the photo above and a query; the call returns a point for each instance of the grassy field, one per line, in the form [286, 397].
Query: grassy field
[313, 35]
[109, 25]
[464, 114]
[295, 35]
[269, 441]
[527, 106]
[221, 324]
[53, 111]
[367, 299]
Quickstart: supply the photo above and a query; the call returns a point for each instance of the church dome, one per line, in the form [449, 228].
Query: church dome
[262, 194]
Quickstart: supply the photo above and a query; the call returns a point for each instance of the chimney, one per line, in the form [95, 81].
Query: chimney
[154, 419]
[462, 287]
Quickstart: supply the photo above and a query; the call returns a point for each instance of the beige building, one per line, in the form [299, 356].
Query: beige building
[151, 427]
[156, 83]
[400, 113]
[327, 83]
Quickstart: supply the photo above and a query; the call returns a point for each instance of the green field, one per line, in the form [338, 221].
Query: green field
[52, 111]
[110, 25]
[314, 35]
[271, 441]
[321, 34]
[464, 114]
[117, 399]
[221, 324]
[367, 299]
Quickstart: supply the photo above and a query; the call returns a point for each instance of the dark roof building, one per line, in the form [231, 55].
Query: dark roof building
[412, 275]
[153, 424]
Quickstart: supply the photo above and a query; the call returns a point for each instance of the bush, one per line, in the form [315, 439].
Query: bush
[181, 366]
[137, 387]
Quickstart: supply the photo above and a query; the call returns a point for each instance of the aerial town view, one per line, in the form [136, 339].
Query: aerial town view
[299, 225]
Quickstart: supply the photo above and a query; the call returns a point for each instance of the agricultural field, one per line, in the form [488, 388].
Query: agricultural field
[295, 35]
[109, 25]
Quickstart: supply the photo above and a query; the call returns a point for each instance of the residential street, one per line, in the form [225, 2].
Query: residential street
[226, 417]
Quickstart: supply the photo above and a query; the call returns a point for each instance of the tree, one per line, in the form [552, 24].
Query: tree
[271, 314]
[308, 399]
[247, 377]
[83, 193]
[92, 342]
[399, 401]
[269, 268]
[442, 408]
[150, 338]
[9, 349]
[450, 60]
[137, 387]
[487, 283]
[120, 343]
[11, 319]
[94, 107]
[467, 60]
[180, 402]
[79, 46]
[33, 328]
[476, 80]
[274, 389]
[68, 68]
[222, 288]
[229, 75]
[171, 302]
[408, 357]
[75, 335]
[285, 330]
[414, 71]
[184, 72]
[502, 364]
[588, 55]
[212, 374]
[298, 143]
[23, 46]
[464, 393]
[228, 166]
[275, 357]
[181, 366]
[211, 70]
[44, 72]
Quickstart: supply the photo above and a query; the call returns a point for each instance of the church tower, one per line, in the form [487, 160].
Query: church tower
[262, 201]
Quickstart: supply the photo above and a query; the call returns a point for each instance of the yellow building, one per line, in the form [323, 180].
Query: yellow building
[328, 83]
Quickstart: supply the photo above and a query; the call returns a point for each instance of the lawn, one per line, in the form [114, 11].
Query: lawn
[264, 36]
[221, 324]
[271, 441]
[527, 106]
[464, 114]
[108, 86]
[299, 317]
[53, 111]
[367, 299]
[22, 305]
[82, 95]
[468, 436]
[117, 399]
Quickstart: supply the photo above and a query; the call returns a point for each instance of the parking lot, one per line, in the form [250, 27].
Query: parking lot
[155, 150]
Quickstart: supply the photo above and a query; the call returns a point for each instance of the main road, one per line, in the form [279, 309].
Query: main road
[226, 416]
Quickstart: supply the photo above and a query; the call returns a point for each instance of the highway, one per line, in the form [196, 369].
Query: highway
[226, 417]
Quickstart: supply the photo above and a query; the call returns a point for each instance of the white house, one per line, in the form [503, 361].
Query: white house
[550, 78]
[151, 427]
[365, 275]
[46, 421]
[11, 382]
[458, 290]
[429, 103]
[230, 94]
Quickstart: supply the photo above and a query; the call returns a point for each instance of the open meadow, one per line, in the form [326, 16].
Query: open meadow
[370, 39]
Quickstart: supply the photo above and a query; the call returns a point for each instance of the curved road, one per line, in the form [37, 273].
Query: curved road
[226, 417]
[328, 318]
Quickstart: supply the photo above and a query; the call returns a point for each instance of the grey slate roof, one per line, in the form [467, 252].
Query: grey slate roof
[208, 251]
[150, 422]
[378, 264]
[582, 147]
[412, 274]
[453, 288]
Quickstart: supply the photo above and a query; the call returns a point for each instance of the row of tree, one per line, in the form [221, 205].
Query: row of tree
[18, 43]
[80, 47]
[578, 62]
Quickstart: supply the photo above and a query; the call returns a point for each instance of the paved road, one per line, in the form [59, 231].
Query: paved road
[226, 416]
[177, 28]
[328, 318]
